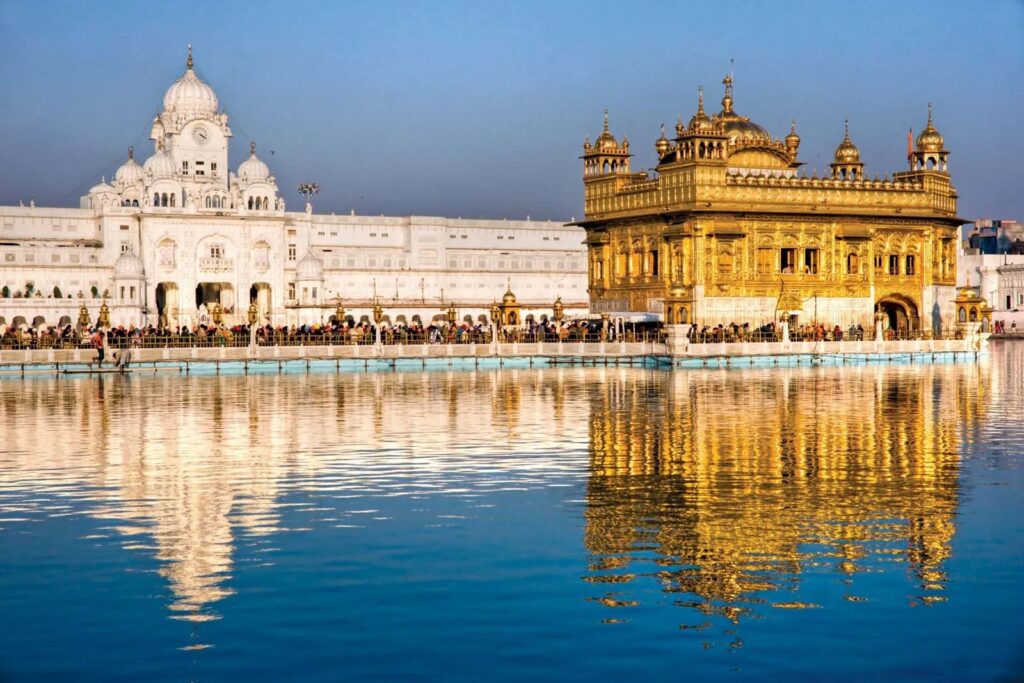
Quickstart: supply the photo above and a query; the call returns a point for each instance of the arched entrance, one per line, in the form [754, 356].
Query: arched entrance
[167, 304]
[900, 313]
[259, 294]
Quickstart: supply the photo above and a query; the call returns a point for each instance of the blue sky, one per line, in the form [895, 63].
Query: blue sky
[480, 108]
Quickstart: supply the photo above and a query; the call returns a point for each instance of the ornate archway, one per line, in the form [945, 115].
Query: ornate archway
[901, 313]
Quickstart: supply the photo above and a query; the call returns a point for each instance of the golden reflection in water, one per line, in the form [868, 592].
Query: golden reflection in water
[727, 485]
[198, 464]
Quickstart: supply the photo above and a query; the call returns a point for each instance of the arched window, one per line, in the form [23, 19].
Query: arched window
[163, 199]
[962, 315]
[266, 203]
[852, 265]
[135, 202]
[156, 199]
[250, 203]
[209, 203]
[606, 167]
[974, 314]
[172, 198]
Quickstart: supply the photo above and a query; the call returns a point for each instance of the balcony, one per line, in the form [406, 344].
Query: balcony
[213, 264]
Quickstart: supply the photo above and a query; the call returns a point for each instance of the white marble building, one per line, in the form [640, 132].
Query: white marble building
[167, 238]
[999, 278]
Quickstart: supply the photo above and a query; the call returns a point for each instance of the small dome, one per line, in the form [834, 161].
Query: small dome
[253, 169]
[128, 265]
[309, 268]
[700, 122]
[606, 140]
[190, 93]
[130, 172]
[930, 140]
[847, 152]
[160, 165]
[792, 140]
[102, 187]
[661, 145]
[509, 297]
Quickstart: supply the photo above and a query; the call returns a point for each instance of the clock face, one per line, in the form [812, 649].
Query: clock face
[200, 135]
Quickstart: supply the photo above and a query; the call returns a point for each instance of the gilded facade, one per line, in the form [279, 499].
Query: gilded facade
[728, 228]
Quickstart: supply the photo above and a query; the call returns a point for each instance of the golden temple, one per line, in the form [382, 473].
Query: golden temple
[727, 229]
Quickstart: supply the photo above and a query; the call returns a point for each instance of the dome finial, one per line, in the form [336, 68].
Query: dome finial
[846, 129]
[929, 113]
[727, 98]
[605, 120]
[700, 98]
[188, 62]
[252, 148]
[131, 151]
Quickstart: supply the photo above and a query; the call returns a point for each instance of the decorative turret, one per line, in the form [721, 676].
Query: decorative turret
[931, 153]
[662, 145]
[847, 164]
[792, 141]
[704, 138]
[605, 156]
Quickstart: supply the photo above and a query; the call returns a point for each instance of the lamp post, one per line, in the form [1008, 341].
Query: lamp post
[339, 313]
[495, 312]
[452, 313]
[103, 320]
[558, 310]
[253, 315]
[83, 317]
[216, 313]
[378, 316]
[307, 190]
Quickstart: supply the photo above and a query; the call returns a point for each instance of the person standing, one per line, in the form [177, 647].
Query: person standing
[97, 342]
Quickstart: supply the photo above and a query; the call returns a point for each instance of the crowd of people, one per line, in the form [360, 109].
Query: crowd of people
[436, 332]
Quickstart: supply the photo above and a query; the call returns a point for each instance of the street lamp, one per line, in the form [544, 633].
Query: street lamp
[216, 313]
[339, 312]
[103, 320]
[558, 310]
[378, 312]
[452, 313]
[252, 313]
[307, 190]
[83, 317]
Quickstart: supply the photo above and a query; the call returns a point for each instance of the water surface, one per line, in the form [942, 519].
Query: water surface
[560, 523]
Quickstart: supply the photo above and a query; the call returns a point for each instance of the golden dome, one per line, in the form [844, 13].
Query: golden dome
[701, 122]
[509, 297]
[930, 140]
[661, 145]
[606, 140]
[739, 127]
[847, 152]
[792, 140]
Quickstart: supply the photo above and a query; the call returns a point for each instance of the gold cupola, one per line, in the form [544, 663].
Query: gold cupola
[792, 141]
[662, 145]
[701, 122]
[606, 156]
[931, 153]
[847, 164]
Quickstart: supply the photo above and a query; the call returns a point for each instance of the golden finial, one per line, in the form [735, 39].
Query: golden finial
[929, 113]
[700, 99]
[131, 152]
[188, 62]
[252, 148]
[663, 130]
[846, 129]
[792, 127]
[605, 120]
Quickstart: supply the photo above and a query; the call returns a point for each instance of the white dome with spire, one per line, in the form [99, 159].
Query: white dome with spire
[102, 187]
[190, 93]
[130, 172]
[160, 165]
[128, 265]
[309, 268]
[253, 169]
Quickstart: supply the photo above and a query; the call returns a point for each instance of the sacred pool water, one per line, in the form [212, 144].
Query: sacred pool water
[566, 523]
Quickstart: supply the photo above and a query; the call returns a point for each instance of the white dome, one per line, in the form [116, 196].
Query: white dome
[130, 172]
[128, 265]
[253, 169]
[190, 93]
[160, 165]
[102, 187]
[309, 268]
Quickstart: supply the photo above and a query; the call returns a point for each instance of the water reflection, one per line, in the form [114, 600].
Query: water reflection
[725, 488]
[187, 468]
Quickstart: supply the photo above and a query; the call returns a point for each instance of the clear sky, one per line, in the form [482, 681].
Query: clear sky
[480, 108]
